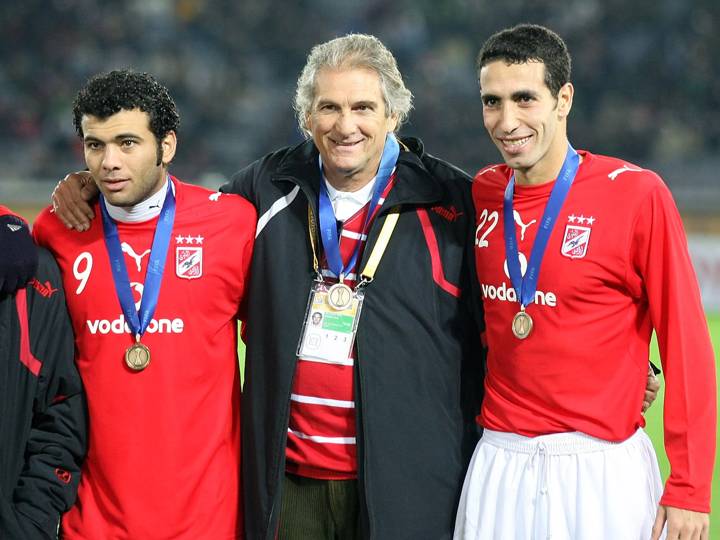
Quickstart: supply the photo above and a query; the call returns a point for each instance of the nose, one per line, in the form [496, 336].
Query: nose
[508, 120]
[111, 157]
[345, 124]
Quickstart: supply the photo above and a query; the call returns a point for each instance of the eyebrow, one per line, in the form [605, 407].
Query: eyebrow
[364, 103]
[523, 94]
[518, 94]
[325, 101]
[118, 137]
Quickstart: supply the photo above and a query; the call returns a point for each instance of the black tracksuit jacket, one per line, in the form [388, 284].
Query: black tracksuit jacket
[419, 362]
[43, 422]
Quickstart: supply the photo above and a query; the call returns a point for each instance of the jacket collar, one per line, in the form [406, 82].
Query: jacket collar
[299, 165]
[413, 184]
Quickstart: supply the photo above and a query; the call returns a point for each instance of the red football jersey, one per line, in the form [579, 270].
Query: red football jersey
[164, 451]
[321, 440]
[615, 268]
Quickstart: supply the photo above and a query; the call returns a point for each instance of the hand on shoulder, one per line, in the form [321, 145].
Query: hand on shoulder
[70, 200]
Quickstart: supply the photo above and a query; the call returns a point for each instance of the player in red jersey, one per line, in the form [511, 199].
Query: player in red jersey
[156, 348]
[568, 328]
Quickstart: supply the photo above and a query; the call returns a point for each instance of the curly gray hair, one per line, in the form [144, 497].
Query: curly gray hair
[353, 51]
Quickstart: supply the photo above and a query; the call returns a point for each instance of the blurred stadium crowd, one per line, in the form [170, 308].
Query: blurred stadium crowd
[646, 75]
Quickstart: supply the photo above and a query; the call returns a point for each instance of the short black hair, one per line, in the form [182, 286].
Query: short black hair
[106, 94]
[530, 43]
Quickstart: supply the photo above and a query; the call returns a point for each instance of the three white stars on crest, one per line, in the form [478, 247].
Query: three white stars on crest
[189, 239]
[581, 219]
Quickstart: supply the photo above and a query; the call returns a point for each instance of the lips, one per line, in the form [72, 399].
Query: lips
[345, 145]
[514, 145]
[115, 184]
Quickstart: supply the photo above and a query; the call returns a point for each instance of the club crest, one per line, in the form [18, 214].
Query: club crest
[188, 257]
[577, 237]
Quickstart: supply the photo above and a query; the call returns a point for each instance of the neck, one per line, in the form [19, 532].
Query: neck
[347, 184]
[354, 180]
[546, 169]
[364, 193]
[143, 211]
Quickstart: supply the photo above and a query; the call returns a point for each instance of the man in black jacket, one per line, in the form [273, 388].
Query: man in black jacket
[369, 443]
[42, 407]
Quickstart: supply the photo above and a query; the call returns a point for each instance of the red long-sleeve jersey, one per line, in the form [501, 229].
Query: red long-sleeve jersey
[615, 268]
[164, 452]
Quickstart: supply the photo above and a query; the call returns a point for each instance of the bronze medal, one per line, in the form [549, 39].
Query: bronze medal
[137, 356]
[522, 324]
[340, 296]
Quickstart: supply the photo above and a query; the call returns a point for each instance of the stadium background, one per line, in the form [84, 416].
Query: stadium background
[646, 76]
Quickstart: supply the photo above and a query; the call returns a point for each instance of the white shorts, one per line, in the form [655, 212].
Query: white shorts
[564, 486]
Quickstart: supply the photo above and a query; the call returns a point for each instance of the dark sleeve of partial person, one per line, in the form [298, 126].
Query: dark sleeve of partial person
[20, 258]
[242, 181]
[48, 483]
[475, 366]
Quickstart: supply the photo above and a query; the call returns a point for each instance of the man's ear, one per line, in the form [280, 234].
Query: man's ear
[168, 147]
[565, 99]
[392, 123]
[307, 127]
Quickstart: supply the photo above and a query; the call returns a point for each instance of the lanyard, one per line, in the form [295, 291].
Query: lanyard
[138, 321]
[328, 225]
[526, 286]
[368, 272]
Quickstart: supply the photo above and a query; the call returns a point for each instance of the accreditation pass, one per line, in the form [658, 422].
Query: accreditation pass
[328, 332]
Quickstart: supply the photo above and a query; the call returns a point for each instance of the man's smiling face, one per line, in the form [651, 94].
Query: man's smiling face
[349, 124]
[525, 121]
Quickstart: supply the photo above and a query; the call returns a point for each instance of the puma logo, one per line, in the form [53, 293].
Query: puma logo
[127, 248]
[523, 226]
[450, 214]
[613, 175]
[215, 196]
[45, 289]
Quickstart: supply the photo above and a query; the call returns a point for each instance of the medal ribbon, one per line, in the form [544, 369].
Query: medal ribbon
[138, 321]
[328, 224]
[526, 286]
[368, 273]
